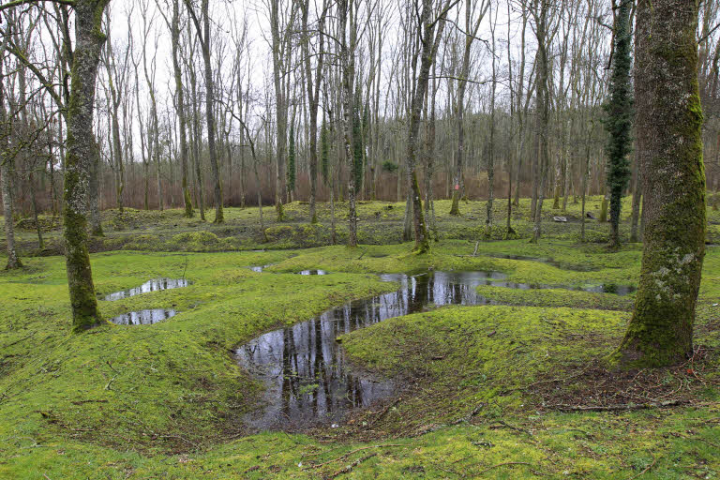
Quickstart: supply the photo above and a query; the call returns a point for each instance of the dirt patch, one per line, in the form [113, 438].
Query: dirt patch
[594, 388]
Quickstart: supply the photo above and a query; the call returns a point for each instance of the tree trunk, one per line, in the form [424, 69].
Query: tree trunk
[471, 29]
[669, 119]
[82, 151]
[196, 140]
[280, 107]
[180, 106]
[6, 165]
[619, 121]
[204, 36]
[636, 199]
[33, 198]
[431, 32]
[347, 59]
[541, 132]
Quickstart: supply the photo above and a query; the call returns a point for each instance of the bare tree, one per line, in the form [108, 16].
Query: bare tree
[203, 34]
[474, 15]
[82, 152]
[431, 24]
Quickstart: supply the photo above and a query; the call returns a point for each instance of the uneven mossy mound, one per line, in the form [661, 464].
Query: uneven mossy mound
[483, 383]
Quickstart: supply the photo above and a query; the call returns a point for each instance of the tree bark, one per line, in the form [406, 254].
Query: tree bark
[6, 167]
[82, 151]
[347, 60]
[280, 107]
[669, 119]
[203, 33]
[542, 118]
[430, 32]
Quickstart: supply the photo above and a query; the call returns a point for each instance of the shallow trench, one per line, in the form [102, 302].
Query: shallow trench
[307, 378]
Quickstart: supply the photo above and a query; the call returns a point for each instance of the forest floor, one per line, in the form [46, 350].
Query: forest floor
[380, 223]
[514, 390]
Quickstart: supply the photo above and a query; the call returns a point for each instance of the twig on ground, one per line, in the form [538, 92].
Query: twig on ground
[348, 468]
[469, 416]
[646, 469]
[507, 425]
[540, 382]
[385, 411]
[109, 384]
[16, 342]
[620, 407]
[346, 455]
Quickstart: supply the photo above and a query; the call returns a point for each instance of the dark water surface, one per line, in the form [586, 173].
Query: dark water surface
[313, 272]
[307, 377]
[144, 317]
[147, 287]
[306, 374]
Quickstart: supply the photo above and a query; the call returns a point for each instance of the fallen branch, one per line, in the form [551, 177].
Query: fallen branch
[507, 425]
[16, 342]
[620, 407]
[644, 471]
[83, 402]
[385, 411]
[342, 457]
[469, 416]
[348, 468]
[541, 382]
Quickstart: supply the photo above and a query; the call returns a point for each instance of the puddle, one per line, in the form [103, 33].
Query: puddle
[314, 272]
[147, 287]
[144, 317]
[261, 268]
[307, 377]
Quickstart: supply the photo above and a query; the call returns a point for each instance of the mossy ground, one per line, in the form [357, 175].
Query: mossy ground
[165, 401]
[380, 224]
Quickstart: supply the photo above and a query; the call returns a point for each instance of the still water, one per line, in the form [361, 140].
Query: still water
[306, 374]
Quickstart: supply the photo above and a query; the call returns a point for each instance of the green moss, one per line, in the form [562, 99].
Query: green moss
[555, 298]
[162, 401]
[202, 241]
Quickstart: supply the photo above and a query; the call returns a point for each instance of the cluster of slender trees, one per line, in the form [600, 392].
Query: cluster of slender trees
[433, 97]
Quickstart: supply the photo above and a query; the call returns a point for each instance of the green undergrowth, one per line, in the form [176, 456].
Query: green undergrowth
[590, 264]
[380, 223]
[165, 401]
[554, 298]
[163, 387]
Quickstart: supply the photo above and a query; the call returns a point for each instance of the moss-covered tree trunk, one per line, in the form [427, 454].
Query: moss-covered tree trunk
[669, 122]
[430, 39]
[619, 119]
[636, 199]
[82, 151]
[6, 164]
[6, 176]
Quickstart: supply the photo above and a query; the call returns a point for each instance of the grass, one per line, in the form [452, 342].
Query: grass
[380, 224]
[166, 401]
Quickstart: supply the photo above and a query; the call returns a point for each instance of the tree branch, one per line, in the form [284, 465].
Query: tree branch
[17, 3]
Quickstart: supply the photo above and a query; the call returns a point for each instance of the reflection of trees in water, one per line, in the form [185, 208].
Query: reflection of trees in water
[314, 381]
